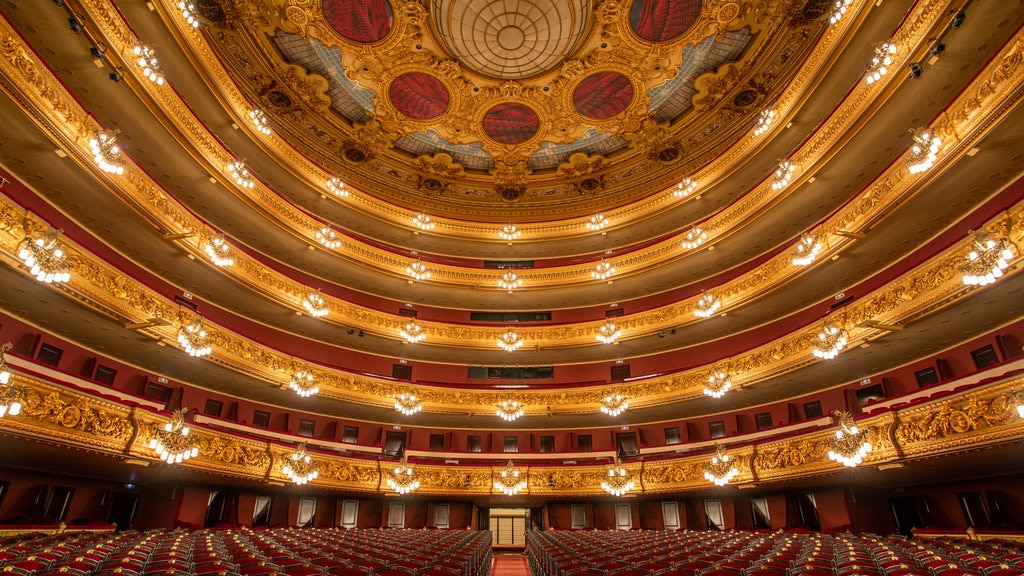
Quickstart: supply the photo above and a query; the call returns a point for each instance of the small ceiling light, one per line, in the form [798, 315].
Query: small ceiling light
[603, 270]
[807, 249]
[11, 396]
[172, 443]
[721, 469]
[608, 332]
[219, 251]
[783, 174]
[839, 9]
[304, 382]
[510, 281]
[240, 174]
[694, 238]
[407, 403]
[106, 153]
[402, 478]
[614, 404]
[924, 150]
[764, 121]
[509, 482]
[299, 467]
[684, 188]
[188, 12]
[831, 339]
[45, 257]
[193, 338]
[509, 232]
[986, 261]
[617, 480]
[145, 58]
[337, 187]
[418, 270]
[315, 304]
[707, 305]
[509, 341]
[328, 238]
[719, 382]
[880, 62]
[509, 409]
[597, 222]
[412, 332]
[850, 445]
[423, 222]
[260, 121]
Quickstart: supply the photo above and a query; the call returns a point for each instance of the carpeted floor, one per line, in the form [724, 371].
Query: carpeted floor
[510, 565]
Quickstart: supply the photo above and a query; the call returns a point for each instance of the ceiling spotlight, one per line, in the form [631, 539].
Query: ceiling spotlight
[937, 48]
[958, 20]
[880, 62]
[328, 238]
[915, 70]
[684, 188]
[76, 25]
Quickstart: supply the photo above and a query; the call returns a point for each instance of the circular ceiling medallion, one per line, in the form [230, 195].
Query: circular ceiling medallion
[418, 95]
[662, 20]
[512, 39]
[511, 123]
[359, 20]
[602, 95]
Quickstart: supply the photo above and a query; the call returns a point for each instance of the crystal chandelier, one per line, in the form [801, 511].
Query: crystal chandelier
[314, 304]
[402, 478]
[721, 469]
[412, 332]
[407, 403]
[807, 249]
[106, 153]
[684, 188]
[260, 121]
[850, 444]
[193, 338]
[618, 481]
[839, 10]
[509, 232]
[10, 394]
[694, 238]
[45, 258]
[240, 174]
[509, 481]
[145, 57]
[172, 443]
[783, 174]
[830, 341]
[986, 261]
[719, 382]
[510, 281]
[337, 187]
[423, 222]
[509, 410]
[509, 341]
[299, 467]
[707, 305]
[328, 238]
[219, 251]
[924, 151]
[608, 332]
[614, 404]
[764, 121]
[304, 382]
[418, 270]
[188, 12]
[880, 62]
[597, 222]
[602, 271]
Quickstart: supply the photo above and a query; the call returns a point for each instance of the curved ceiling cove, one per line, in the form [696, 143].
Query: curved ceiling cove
[359, 20]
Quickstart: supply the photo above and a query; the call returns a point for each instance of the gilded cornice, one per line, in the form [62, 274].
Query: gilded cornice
[984, 416]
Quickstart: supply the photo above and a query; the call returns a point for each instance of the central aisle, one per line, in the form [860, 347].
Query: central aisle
[510, 565]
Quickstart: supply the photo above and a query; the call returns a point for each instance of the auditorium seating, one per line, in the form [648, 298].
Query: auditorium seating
[753, 553]
[281, 552]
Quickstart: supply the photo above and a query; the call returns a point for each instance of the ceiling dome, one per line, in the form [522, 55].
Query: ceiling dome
[512, 39]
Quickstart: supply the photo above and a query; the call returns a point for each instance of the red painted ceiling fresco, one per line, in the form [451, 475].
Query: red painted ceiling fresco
[359, 20]
[661, 20]
[511, 123]
[418, 95]
[602, 95]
